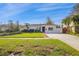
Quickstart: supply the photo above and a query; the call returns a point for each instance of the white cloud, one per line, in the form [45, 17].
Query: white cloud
[44, 9]
[49, 7]
[12, 9]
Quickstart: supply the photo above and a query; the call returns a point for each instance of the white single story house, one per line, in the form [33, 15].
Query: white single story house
[45, 28]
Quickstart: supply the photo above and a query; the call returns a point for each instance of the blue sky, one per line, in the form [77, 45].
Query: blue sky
[34, 12]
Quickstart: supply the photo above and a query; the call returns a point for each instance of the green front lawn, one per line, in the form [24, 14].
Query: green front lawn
[31, 47]
[25, 35]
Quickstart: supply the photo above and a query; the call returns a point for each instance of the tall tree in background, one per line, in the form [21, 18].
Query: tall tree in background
[17, 26]
[27, 25]
[11, 28]
[49, 22]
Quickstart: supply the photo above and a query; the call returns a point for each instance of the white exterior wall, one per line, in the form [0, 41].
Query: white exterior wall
[73, 29]
[72, 26]
[41, 27]
[55, 30]
[47, 28]
[34, 27]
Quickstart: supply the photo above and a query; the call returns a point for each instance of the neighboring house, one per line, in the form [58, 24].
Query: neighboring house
[4, 27]
[74, 28]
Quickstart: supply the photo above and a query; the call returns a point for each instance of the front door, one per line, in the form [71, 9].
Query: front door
[43, 29]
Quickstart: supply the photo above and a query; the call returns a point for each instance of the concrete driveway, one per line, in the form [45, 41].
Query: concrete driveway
[71, 40]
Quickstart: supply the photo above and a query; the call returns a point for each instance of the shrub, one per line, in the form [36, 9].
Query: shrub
[30, 30]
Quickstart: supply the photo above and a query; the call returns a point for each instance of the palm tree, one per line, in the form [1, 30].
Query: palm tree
[73, 17]
[75, 9]
[66, 21]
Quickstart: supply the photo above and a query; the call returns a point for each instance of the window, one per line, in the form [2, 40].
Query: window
[57, 26]
[50, 28]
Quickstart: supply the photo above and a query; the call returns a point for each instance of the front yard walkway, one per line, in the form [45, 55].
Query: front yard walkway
[69, 39]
